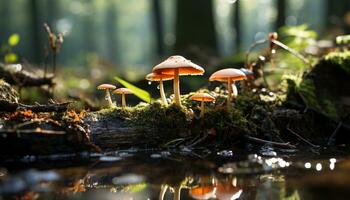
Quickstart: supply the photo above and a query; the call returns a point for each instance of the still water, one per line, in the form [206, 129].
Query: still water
[163, 174]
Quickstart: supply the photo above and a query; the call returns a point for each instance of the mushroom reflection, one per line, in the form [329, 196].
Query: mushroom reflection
[205, 190]
[228, 190]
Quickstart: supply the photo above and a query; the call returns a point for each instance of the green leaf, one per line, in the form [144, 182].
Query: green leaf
[10, 58]
[13, 39]
[140, 93]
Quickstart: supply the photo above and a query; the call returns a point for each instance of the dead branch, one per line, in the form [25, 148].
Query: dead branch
[24, 78]
[7, 106]
[301, 138]
[261, 141]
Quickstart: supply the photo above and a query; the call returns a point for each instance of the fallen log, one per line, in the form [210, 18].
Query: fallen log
[6, 106]
[23, 78]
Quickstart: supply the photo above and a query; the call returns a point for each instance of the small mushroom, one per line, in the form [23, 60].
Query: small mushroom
[202, 97]
[160, 78]
[123, 92]
[178, 66]
[229, 75]
[107, 87]
[202, 192]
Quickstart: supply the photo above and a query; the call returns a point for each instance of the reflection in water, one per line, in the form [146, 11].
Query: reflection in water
[174, 178]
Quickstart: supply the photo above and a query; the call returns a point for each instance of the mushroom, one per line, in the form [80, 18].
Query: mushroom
[202, 97]
[107, 87]
[227, 190]
[160, 78]
[202, 192]
[229, 75]
[178, 66]
[123, 92]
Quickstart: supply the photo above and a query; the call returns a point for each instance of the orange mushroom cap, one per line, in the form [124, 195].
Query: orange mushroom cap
[158, 77]
[202, 192]
[186, 67]
[202, 97]
[225, 74]
[123, 91]
[106, 86]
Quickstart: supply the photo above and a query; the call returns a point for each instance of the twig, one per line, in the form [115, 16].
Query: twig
[292, 51]
[261, 141]
[32, 131]
[198, 141]
[301, 138]
[332, 138]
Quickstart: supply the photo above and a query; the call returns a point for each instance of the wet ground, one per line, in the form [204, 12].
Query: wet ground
[182, 174]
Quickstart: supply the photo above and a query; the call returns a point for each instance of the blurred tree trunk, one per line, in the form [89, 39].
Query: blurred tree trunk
[158, 26]
[237, 25]
[281, 13]
[89, 32]
[36, 29]
[111, 33]
[195, 27]
[336, 11]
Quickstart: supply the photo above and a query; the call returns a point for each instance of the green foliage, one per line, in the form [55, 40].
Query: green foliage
[298, 37]
[6, 49]
[10, 58]
[142, 94]
[14, 39]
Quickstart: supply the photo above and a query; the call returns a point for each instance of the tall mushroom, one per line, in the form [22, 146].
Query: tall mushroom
[202, 97]
[178, 66]
[123, 92]
[229, 75]
[107, 87]
[160, 78]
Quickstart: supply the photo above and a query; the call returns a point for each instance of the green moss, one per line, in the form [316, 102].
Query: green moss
[226, 122]
[339, 58]
[171, 120]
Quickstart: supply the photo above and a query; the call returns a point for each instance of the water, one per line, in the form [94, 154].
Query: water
[166, 174]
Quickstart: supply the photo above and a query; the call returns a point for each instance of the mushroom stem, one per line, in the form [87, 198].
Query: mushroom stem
[108, 98]
[123, 102]
[162, 94]
[234, 90]
[202, 108]
[177, 87]
[229, 88]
